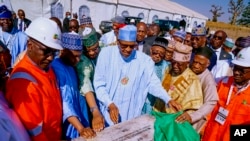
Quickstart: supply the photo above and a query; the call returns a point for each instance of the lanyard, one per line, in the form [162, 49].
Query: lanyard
[230, 92]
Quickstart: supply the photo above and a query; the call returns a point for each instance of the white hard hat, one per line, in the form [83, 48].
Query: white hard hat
[132, 20]
[242, 58]
[46, 32]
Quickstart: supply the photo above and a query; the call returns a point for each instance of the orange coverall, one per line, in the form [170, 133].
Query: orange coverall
[35, 97]
[238, 107]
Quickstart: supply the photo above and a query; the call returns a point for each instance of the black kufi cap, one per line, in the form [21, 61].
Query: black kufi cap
[204, 51]
[160, 42]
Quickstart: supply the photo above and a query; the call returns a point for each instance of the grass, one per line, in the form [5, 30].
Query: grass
[233, 31]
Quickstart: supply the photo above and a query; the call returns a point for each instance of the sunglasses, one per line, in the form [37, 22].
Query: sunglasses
[217, 37]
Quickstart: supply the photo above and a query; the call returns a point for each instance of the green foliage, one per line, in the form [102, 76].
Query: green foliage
[216, 11]
[245, 17]
[235, 8]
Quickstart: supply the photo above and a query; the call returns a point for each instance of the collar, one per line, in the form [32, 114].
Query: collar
[239, 87]
[14, 31]
[216, 50]
[159, 63]
[131, 57]
[141, 43]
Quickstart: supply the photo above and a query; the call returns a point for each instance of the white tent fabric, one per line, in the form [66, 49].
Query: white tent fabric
[135, 3]
[108, 1]
[160, 10]
[133, 11]
[35, 8]
[188, 11]
[158, 6]
[100, 10]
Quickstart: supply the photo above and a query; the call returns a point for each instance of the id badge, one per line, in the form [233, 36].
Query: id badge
[222, 115]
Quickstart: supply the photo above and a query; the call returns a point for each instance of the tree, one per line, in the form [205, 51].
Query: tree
[216, 11]
[235, 8]
[245, 17]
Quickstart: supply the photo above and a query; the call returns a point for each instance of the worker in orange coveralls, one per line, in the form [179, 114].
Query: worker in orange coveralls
[32, 89]
[234, 101]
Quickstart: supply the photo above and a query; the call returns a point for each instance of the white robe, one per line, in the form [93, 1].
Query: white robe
[111, 69]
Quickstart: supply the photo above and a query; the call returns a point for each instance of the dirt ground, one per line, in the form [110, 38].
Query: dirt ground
[232, 31]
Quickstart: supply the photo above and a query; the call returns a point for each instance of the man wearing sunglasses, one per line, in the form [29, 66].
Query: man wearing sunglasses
[32, 88]
[123, 78]
[234, 100]
[222, 67]
[216, 44]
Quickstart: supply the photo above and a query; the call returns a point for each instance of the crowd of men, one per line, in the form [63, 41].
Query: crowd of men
[64, 81]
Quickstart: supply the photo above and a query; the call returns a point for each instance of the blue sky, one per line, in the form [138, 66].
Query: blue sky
[203, 7]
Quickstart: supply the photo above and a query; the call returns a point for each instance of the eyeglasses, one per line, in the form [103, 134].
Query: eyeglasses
[156, 52]
[123, 46]
[217, 37]
[242, 70]
[46, 50]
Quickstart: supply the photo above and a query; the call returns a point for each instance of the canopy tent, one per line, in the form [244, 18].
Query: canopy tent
[100, 10]
[159, 10]
[107, 1]
[187, 11]
[135, 3]
[133, 8]
[34, 8]
[164, 9]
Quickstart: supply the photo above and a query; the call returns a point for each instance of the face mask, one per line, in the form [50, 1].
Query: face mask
[68, 16]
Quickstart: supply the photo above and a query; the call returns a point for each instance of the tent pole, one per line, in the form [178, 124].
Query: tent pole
[71, 6]
[148, 15]
[116, 7]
